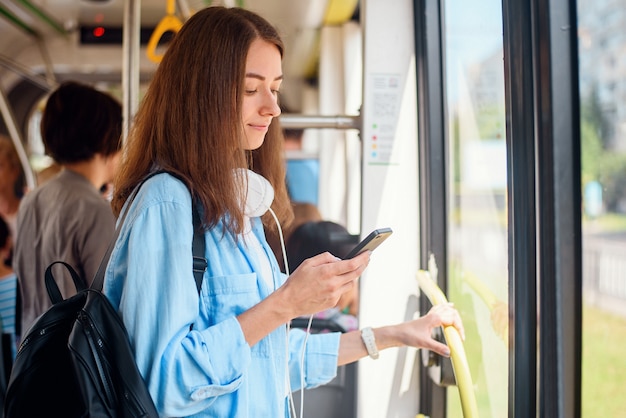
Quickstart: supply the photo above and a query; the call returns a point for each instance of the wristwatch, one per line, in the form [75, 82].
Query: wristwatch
[367, 335]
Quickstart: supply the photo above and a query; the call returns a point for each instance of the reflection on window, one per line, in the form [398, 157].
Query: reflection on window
[602, 42]
[477, 252]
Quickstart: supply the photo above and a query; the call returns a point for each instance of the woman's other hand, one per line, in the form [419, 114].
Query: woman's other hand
[419, 332]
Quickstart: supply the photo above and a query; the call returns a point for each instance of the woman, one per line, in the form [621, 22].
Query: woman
[207, 118]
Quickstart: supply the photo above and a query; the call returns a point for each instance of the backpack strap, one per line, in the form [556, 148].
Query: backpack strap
[53, 289]
[198, 244]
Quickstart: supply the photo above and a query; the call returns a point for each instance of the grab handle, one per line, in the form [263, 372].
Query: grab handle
[169, 23]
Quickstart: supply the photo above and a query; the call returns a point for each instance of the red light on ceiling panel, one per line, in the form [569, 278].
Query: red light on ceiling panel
[98, 31]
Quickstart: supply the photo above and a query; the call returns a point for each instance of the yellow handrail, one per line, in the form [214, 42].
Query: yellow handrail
[169, 23]
[457, 351]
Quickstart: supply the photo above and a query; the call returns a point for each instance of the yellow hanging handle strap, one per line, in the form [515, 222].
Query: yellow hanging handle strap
[457, 351]
[169, 23]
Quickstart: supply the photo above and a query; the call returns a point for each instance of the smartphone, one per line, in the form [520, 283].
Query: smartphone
[372, 241]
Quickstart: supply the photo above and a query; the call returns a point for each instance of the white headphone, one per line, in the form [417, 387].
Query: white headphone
[259, 194]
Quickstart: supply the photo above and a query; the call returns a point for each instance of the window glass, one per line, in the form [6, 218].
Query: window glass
[602, 43]
[477, 179]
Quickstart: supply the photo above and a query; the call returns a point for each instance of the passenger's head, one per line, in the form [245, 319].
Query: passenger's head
[79, 122]
[195, 119]
[11, 173]
[293, 138]
[313, 238]
[304, 212]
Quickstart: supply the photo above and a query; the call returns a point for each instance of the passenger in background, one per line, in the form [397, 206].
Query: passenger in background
[67, 218]
[8, 289]
[302, 172]
[315, 237]
[12, 183]
[307, 236]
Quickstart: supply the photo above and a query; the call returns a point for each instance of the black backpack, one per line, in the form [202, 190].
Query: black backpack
[76, 360]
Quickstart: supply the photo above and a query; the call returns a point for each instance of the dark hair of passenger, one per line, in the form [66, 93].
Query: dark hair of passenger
[313, 238]
[189, 121]
[79, 121]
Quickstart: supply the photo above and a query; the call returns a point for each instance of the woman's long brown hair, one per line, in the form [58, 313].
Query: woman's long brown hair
[190, 123]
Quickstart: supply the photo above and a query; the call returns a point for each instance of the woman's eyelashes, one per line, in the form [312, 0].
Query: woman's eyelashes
[274, 91]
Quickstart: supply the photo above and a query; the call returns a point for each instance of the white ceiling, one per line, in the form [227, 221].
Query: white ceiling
[298, 22]
[289, 16]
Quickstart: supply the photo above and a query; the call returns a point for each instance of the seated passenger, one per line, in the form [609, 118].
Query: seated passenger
[67, 218]
[315, 237]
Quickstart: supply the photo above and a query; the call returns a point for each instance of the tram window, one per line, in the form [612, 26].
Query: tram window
[477, 220]
[602, 39]
[38, 158]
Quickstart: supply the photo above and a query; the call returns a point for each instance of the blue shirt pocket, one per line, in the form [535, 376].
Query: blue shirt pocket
[224, 297]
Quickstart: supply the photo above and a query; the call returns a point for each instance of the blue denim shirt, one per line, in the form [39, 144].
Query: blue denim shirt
[207, 370]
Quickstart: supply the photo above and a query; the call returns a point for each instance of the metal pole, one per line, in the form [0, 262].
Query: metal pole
[45, 17]
[26, 73]
[11, 17]
[130, 71]
[297, 121]
[50, 77]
